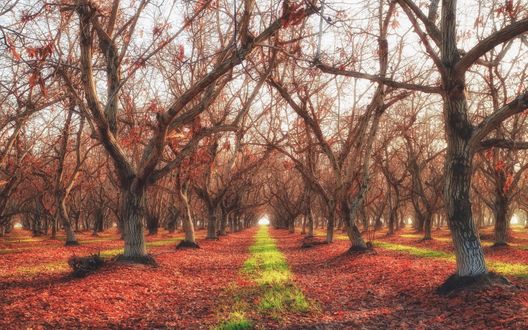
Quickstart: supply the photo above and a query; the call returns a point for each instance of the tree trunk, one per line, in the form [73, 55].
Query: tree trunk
[173, 220]
[458, 171]
[223, 222]
[211, 222]
[98, 226]
[330, 226]
[310, 223]
[459, 154]
[63, 214]
[354, 235]
[132, 213]
[427, 227]
[392, 220]
[152, 224]
[501, 219]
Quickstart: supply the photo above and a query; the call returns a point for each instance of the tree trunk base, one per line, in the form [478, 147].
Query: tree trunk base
[309, 242]
[71, 243]
[212, 238]
[425, 239]
[455, 283]
[187, 245]
[356, 249]
[144, 260]
[500, 244]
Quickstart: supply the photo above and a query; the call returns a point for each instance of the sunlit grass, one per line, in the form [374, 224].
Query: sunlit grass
[111, 252]
[267, 266]
[275, 293]
[508, 269]
[16, 250]
[420, 236]
[48, 268]
[505, 268]
[235, 321]
[164, 242]
[415, 251]
[284, 297]
[24, 239]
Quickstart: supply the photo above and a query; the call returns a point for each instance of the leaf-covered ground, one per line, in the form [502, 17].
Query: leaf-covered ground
[256, 279]
[395, 289]
[181, 293]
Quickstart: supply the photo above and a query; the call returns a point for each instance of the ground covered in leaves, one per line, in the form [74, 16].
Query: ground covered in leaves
[182, 292]
[257, 278]
[395, 287]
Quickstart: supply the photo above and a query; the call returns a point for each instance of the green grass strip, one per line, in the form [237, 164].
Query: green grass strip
[62, 265]
[267, 266]
[505, 268]
[276, 293]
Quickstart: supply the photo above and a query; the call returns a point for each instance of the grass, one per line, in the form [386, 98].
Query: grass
[62, 265]
[275, 293]
[504, 268]
[50, 267]
[236, 321]
[415, 251]
[267, 266]
[24, 239]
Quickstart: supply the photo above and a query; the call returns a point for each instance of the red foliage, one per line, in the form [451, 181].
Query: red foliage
[181, 293]
[293, 14]
[388, 290]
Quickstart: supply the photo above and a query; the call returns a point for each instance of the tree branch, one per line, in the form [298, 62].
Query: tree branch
[509, 32]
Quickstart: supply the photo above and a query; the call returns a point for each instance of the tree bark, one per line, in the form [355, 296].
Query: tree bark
[211, 222]
[501, 218]
[459, 155]
[353, 232]
[133, 212]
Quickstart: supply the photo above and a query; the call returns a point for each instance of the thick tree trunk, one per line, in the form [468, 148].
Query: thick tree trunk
[54, 228]
[392, 220]
[98, 226]
[223, 223]
[291, 225]
[354, 235]
[152, 224]
[458, 171]
[211, 222]
[133, 212]
[63, 214]
[188, 226]
[330, 226]
[310, 223]
[501, 219]
[173, 220]
[459, 155]
[427, 227]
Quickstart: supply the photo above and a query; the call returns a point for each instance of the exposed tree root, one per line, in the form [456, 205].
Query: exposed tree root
[425, 239]
[309, 242]
[499, 245]
[82, 266]
[187, 245]
[455, 283]
[369, 248]
[144, 260]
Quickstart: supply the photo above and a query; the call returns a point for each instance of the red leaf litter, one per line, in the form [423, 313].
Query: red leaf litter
[388, 290]
[181, 293]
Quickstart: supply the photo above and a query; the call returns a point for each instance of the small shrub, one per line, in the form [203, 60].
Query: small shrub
[82, 266]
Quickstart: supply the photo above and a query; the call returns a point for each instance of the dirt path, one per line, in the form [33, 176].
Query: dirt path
[181, 293]
[392, 290]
